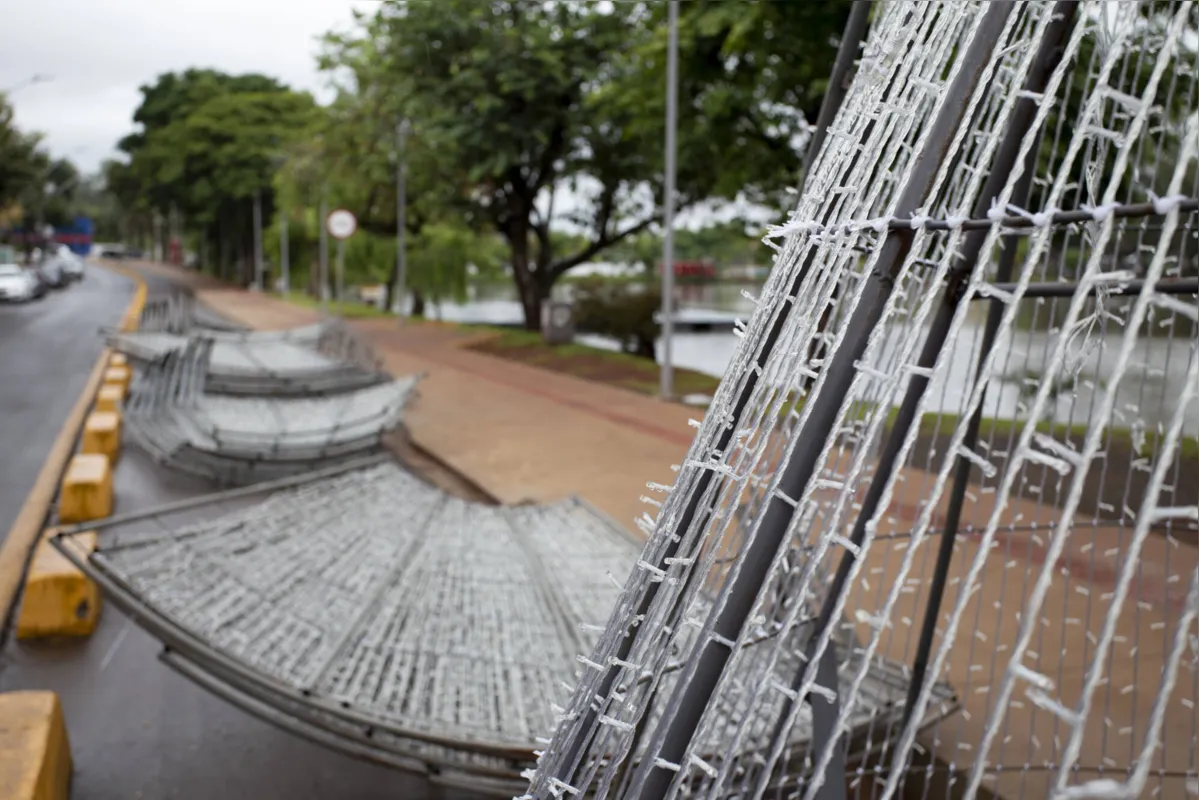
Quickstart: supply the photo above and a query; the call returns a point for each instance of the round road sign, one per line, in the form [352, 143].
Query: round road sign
[341, 224]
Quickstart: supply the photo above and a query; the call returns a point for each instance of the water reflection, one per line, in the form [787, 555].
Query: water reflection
[1148, 392]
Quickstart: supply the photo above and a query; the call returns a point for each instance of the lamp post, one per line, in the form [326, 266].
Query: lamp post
[666, 388]
[258, 265]
[324, 254]
[284, 254]
[401, 215]
[30, 81]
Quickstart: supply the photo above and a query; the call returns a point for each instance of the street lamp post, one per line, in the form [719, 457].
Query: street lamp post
[401, 215]
[666, 388]
[258, 266]
[324, 254]
[30, 81]
[284, 254]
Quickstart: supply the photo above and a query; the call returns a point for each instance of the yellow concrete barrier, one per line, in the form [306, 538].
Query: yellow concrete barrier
[118, 376]
[35, 754]
[59, 600]
[86, 492]
[109, 398]
[102, 434]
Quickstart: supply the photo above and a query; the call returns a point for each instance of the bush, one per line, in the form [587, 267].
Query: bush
[620, 310]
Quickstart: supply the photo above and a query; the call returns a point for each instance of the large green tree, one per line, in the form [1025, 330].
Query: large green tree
[521, 99]
[22, 161]
[207, 144]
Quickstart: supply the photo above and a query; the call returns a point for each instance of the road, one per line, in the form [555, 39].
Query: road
[47, 351]
[137, 729]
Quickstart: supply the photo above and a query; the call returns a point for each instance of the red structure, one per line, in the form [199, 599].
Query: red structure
[703, 270]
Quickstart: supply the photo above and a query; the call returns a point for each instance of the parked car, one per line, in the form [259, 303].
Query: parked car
[52, 273]
[72, 264]
[19, 285]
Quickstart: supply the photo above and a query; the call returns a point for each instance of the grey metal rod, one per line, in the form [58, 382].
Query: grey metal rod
[258, 266]
[839, 81]
[284, 251]
[323, 265]
[666, 373]
[691, 694]
[341, 272]
[1034, 290]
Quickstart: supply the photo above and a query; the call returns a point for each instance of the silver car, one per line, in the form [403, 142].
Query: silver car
[17, 284]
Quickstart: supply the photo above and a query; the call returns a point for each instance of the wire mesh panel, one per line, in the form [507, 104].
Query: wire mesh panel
[392, 618]
[179, 313]
[961, 434]
[235, 439]
[323, 358]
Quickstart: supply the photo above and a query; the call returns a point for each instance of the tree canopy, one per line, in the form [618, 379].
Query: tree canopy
[208, 143]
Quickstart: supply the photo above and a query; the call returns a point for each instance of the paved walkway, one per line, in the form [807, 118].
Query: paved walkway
[519, 432]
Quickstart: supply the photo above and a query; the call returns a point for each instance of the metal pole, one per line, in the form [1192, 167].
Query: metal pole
[341, 271]
[258, 269]
[284, 254]
[401, 216]
[838, 84]
[693, 691]
[666, 388]
[324, 254]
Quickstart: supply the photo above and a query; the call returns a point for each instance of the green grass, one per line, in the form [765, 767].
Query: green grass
[346, 308]
[591, 363]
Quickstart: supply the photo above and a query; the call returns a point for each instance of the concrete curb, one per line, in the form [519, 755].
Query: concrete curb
[35, 756]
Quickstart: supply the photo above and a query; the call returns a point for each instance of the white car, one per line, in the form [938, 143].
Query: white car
[71, 264]
[17, 284]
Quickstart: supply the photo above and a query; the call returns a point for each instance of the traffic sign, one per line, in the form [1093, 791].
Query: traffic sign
[341, 224]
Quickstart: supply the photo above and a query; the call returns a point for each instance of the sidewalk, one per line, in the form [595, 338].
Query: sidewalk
[521, 433]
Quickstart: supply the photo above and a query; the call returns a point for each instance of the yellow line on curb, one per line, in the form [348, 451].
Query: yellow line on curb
[26, 529]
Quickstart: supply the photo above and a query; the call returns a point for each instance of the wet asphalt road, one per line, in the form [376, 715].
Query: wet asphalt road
[138, 729]
[47, 350]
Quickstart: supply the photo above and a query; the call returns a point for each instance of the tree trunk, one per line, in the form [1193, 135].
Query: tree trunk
[418, 303]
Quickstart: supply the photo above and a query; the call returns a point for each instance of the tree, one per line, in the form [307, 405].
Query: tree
[22, 161]
[208, 143]
[522, 97]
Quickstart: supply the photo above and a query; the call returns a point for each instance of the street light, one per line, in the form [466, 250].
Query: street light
[401, 214]
[30, 81]
[666, 388]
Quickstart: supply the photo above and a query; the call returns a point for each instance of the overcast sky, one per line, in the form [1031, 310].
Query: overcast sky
[101, 51]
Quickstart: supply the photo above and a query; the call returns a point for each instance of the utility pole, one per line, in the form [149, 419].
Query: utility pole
[258, 267]
[324, 254]
[666, 389]
[341, 272]
[401, 215]
[284, 255]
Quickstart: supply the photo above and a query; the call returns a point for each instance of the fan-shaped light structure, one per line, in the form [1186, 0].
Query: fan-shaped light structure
[373, 612]
[179, 313]
[323, 358]
[960, 432]
[237, 439]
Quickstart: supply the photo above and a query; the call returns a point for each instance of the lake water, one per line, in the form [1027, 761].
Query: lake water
[1149, 391]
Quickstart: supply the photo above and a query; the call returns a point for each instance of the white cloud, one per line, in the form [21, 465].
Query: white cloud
[101, 51]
